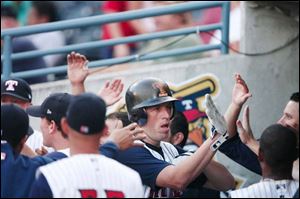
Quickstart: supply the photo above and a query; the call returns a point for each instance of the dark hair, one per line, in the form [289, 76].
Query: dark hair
[8, 11]
[180, 124]
[46, 8]
[295, 97]
[123, 116]
[279, 147]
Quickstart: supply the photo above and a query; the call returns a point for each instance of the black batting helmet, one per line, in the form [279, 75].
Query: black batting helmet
[146, 93]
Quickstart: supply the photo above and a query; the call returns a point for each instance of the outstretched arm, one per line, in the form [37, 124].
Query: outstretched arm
[240, 94]
[179, 176]
[219, 178]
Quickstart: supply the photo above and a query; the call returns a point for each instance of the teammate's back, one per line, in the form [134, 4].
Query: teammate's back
[93, 176]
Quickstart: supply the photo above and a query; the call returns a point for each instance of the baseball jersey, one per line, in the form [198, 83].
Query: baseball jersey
[87, 175]
[17, 172]
[268, 188]
[149, 161]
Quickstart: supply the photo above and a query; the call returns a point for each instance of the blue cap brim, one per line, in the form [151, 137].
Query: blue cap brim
[35, 111]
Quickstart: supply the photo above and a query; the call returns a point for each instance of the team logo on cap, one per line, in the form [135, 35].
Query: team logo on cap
[3, 156]
[162, 89]
[11, 85]
[84, 129]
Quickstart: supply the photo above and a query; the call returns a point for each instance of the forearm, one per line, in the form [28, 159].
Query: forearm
[77, 88]
[218, 176]
[231, 117]
[253, 145]
[179, 176]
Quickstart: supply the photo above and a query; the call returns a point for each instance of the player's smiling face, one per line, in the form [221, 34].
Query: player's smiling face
[158, 123]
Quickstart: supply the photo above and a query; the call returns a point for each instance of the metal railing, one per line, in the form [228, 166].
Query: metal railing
[8, 34]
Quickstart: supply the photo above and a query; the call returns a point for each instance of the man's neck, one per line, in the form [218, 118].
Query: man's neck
[268, 174]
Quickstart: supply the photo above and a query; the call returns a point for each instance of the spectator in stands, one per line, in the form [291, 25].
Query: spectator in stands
[121, 29]
[45, 12]
[172, 22]
[9, 20]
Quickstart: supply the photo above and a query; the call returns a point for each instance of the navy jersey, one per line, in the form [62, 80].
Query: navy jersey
[17, 172]
[236, 150]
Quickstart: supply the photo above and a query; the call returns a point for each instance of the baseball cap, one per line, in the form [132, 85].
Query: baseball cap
[14, 123]
[86, 114]
[54, 107]
[16, 87]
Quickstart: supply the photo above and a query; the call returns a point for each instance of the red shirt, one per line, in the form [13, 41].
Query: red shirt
[117, 6]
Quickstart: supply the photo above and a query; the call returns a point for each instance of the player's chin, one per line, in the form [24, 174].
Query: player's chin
[164, 131]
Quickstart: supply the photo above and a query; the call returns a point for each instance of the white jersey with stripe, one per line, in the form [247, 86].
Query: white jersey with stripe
[268, 188]
[92, 175]
[170, 152]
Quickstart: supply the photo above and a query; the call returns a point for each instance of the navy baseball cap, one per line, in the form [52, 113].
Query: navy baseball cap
[16, 87]
[54, 107]
[14, 123]
[86, 114]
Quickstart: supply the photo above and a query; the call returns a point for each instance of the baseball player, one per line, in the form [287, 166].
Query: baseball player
[278, 150]
[150, 103]
[17, 171]
[86, 173]
[18, 91]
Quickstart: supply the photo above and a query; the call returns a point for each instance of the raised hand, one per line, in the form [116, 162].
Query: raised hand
[214, 116]
[126, 137]
[245, 132]
[240, 92]
[77, 68]
[111, 92]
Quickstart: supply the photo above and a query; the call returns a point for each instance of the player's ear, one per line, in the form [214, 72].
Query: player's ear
[64, 125]
[177, 138]
[52, 126]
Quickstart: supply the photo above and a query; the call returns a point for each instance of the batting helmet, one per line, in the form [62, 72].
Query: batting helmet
[146, 93]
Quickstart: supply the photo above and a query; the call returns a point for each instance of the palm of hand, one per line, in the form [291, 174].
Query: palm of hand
[109, 96]
[238, 94]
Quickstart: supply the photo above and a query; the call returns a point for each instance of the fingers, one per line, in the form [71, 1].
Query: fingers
[115, 84]
[131, 126]
[246, 96]
[240, 126]
[76, 58]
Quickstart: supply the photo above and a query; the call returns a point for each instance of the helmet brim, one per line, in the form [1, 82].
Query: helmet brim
[154, 102]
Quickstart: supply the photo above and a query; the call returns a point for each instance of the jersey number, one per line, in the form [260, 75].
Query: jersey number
[92, 193]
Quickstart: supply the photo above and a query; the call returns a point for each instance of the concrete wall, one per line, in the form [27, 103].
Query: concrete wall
[271, 77]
